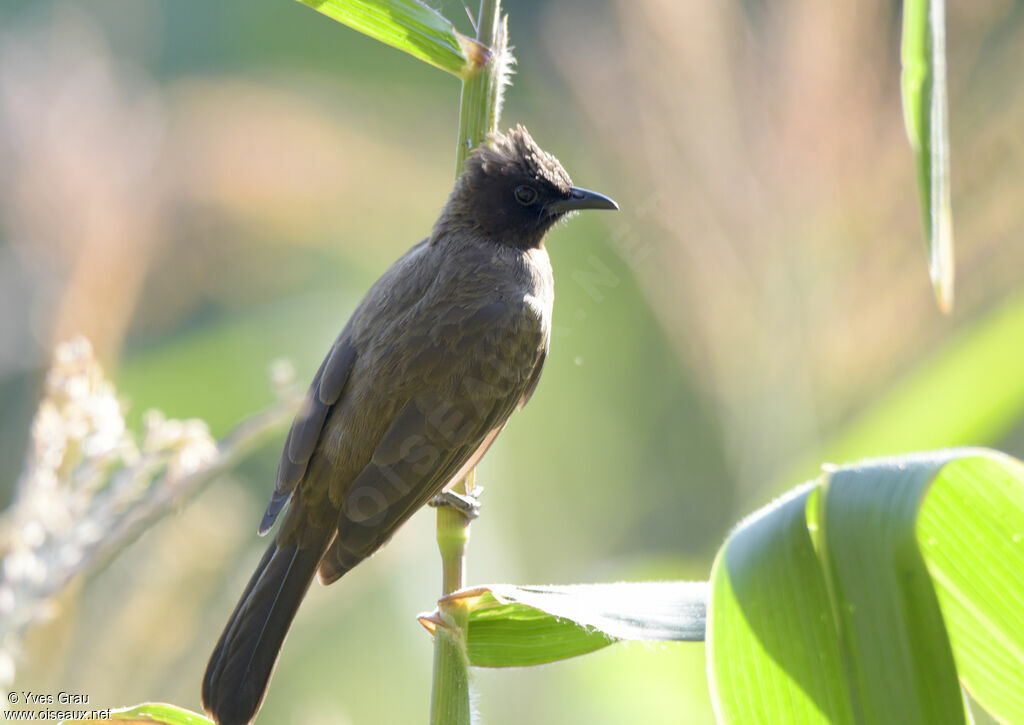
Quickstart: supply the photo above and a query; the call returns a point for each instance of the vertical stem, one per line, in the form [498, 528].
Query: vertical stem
[450, 693]
[480, 108]
[449, 700]
[453, 540]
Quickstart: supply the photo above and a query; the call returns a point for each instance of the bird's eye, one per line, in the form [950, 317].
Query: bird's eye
[525, 195]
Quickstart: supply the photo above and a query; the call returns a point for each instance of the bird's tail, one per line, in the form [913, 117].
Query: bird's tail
[241, 664]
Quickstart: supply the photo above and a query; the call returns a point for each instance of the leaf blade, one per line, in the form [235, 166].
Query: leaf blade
[151, 712]
[767, 591]
[926, 116]
[409, 26]
[923, 560]
[984, 615]
[514, 626]
[896, 646]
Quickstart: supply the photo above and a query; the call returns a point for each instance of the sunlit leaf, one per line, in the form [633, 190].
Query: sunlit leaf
[772, 642]
[895, 647]
[927, 120]
[152, 712]
[408, 25]
[971, 531]
[863, 597]
[519, 626]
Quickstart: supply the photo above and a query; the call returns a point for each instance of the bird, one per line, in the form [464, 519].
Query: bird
[421, 380]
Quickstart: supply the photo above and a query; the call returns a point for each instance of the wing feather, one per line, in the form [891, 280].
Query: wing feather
[531, 386]
[415, 460]
[304, 436]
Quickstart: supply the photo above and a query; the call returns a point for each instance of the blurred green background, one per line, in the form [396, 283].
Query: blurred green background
[203, 188]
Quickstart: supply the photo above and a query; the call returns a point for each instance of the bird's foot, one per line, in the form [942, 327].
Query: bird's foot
[467, 504]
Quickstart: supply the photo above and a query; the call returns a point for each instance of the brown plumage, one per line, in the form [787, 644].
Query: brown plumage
[445, 345]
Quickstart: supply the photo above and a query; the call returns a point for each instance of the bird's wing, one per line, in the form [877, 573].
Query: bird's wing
[328, 386]
[485, 362]
[430, 442]
[538, 368]
[325, 390]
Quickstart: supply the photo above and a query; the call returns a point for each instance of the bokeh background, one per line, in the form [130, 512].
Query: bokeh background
[203, 188]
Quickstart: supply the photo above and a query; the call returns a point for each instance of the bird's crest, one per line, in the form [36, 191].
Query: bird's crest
[517, 153]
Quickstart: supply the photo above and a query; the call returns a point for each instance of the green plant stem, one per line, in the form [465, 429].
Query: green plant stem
[450, 696]
[453, 540]
[480, 106]
[480, 109]
[449, 703]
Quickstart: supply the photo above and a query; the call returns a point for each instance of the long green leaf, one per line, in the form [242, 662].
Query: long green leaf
[864, 596]
[971, 531]
[773, 647]
[410, 26]
[926, 116]
[512, 626]
[895, 648]
[150, 713]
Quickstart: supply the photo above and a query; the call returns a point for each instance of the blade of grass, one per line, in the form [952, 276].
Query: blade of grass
[410, 26]
[866, 596]
[773, 646]
[975, 555]
[516, 626]
[150, 713]
[896, 649]
[926, 116]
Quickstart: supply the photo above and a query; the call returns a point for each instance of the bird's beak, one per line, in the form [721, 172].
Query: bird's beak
[581, 199]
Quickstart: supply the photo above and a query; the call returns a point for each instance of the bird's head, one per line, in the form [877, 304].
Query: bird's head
[512, 191]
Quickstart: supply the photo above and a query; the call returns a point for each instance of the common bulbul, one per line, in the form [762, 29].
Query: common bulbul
[445, 345]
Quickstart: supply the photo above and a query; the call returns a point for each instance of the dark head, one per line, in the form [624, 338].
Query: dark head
[512, 192]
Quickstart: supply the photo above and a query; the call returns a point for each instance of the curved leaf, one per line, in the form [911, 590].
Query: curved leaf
[971, 531]
[411, 26]
[773, 649]
[895, 648]
[862, 597]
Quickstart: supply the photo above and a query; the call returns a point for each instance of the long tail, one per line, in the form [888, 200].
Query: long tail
[241, 664]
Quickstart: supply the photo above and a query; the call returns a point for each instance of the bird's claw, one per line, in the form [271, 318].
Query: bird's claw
[467, 504]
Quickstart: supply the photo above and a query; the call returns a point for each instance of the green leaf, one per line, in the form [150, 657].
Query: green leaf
[772, 642]
[971, 530]
[926, 116]
[862, 597]
[512, 626]
[152, 712]
[896, 650]
[411, 26]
